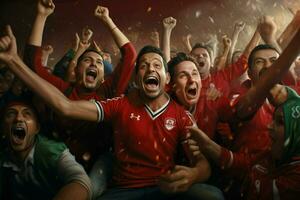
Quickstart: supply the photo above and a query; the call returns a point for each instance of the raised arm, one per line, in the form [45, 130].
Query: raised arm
[103, 14]
[168, 24]
[154, 36]
[86, 35]
[33, 51]
[116, 83]
[98, 47]
[224, 57]
[84, 110]
[46, 52]
[289, 31]
[252, 43]
[44, 9]
[187, 42]
[70, 74]
[83, 45]
[61, 66]
[212, 43]
[257, 94]
[238, 28]
[267, 30]
[252, 100]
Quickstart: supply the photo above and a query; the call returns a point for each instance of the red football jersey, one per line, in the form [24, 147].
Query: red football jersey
[209, 112]
[145, 141]
[83, 137]
[222, 79]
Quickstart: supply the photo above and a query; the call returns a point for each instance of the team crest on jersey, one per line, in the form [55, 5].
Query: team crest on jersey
[170, 123]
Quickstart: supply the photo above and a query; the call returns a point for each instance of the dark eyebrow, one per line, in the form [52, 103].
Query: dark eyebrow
[182, 72]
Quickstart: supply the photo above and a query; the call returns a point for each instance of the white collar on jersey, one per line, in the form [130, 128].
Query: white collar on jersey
[157, 113]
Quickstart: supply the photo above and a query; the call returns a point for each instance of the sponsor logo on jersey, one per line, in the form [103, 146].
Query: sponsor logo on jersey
[136, 117]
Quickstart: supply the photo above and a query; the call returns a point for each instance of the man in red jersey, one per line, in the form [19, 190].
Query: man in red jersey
[148, 129]
[89, 85]
[249, 146]
[186, 87]
[221, 79]
[251, 138]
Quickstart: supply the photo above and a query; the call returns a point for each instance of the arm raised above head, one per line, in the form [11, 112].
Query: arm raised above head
[267, 29]
[168, 24]
[103, 14]
[44, 9]
[289, 31]
[257, 93]
[84, 110]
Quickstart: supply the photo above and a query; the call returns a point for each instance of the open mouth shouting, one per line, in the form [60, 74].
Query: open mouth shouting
[91, 74]
[18, 133]
[201, 63]
[191, 92]
[151, 83]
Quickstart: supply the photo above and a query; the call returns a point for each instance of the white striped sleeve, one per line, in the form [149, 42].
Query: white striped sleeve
[100, 111]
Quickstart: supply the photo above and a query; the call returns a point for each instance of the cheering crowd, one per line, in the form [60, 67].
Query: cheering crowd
[193, 124]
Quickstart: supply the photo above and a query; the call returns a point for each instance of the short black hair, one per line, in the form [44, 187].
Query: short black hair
[203, 46]
[180, 57]
[150, 49]
[89, 50]
[258, 48]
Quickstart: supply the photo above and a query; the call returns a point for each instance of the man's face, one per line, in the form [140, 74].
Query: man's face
[20, 127]
[276, 131]
[187, 83]
[203, 58]
[90, 70]
[262, 59]
[151, 76]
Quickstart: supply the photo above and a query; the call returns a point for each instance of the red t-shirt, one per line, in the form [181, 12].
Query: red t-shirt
[145, 141]
[265, 182]
[81, 136]
[251, 137]
[223, 78]
[209, 112]
[114, 85]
